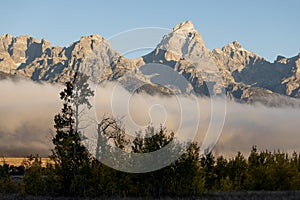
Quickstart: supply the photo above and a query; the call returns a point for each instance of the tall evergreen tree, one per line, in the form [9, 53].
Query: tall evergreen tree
[207, 163]
[69, 154]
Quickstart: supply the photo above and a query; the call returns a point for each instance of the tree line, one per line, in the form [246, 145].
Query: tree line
[72, 171]
[190, 175]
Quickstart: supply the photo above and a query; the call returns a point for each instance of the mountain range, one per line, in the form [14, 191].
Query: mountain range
[245, 76]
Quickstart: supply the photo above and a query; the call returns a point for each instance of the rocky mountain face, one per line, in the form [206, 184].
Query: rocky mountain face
[245, 76]
[184, 50]
[38, 60]
[245, 67]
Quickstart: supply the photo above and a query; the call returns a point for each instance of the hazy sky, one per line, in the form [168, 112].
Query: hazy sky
[267, 27]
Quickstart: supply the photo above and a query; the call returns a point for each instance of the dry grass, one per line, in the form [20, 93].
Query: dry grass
[18, 161]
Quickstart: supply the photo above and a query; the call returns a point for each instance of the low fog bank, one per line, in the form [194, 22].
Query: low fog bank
[27, 110]
[268, 128]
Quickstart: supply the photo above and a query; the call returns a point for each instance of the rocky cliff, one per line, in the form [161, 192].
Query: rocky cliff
[245, 76]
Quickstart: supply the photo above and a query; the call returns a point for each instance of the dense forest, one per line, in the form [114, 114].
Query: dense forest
[72, 171]
[191, 175]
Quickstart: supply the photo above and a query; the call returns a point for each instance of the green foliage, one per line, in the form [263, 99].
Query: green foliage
[69, 155]
[207, 163]
[7, 185]
[191, 175]
[237, 171]
[33, 182]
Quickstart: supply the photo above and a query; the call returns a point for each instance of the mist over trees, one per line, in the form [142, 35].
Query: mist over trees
[73, 172]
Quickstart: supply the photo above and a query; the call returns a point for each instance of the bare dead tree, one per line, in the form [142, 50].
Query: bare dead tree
[111, 129]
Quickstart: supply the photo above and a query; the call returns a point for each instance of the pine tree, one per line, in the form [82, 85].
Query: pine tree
[69, 154]
[207, 163]
[33, 182]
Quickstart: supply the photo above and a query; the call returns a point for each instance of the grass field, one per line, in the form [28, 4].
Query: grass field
[18, 161]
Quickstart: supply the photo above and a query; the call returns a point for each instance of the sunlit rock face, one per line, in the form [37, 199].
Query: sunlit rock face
[245, 76]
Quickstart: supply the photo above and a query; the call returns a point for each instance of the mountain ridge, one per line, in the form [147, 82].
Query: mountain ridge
[182, 49]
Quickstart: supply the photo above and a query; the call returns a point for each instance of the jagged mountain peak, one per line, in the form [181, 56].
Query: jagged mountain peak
[186, 31]
[89, 41]
[184, 41]
[281, 59]
[25, 40]
[235, 45]
[182, 49]
[6, 36]
[88, 45]
[45, 41]
[236, 51]
[184, 26]
[38, 60]
[92, 37]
